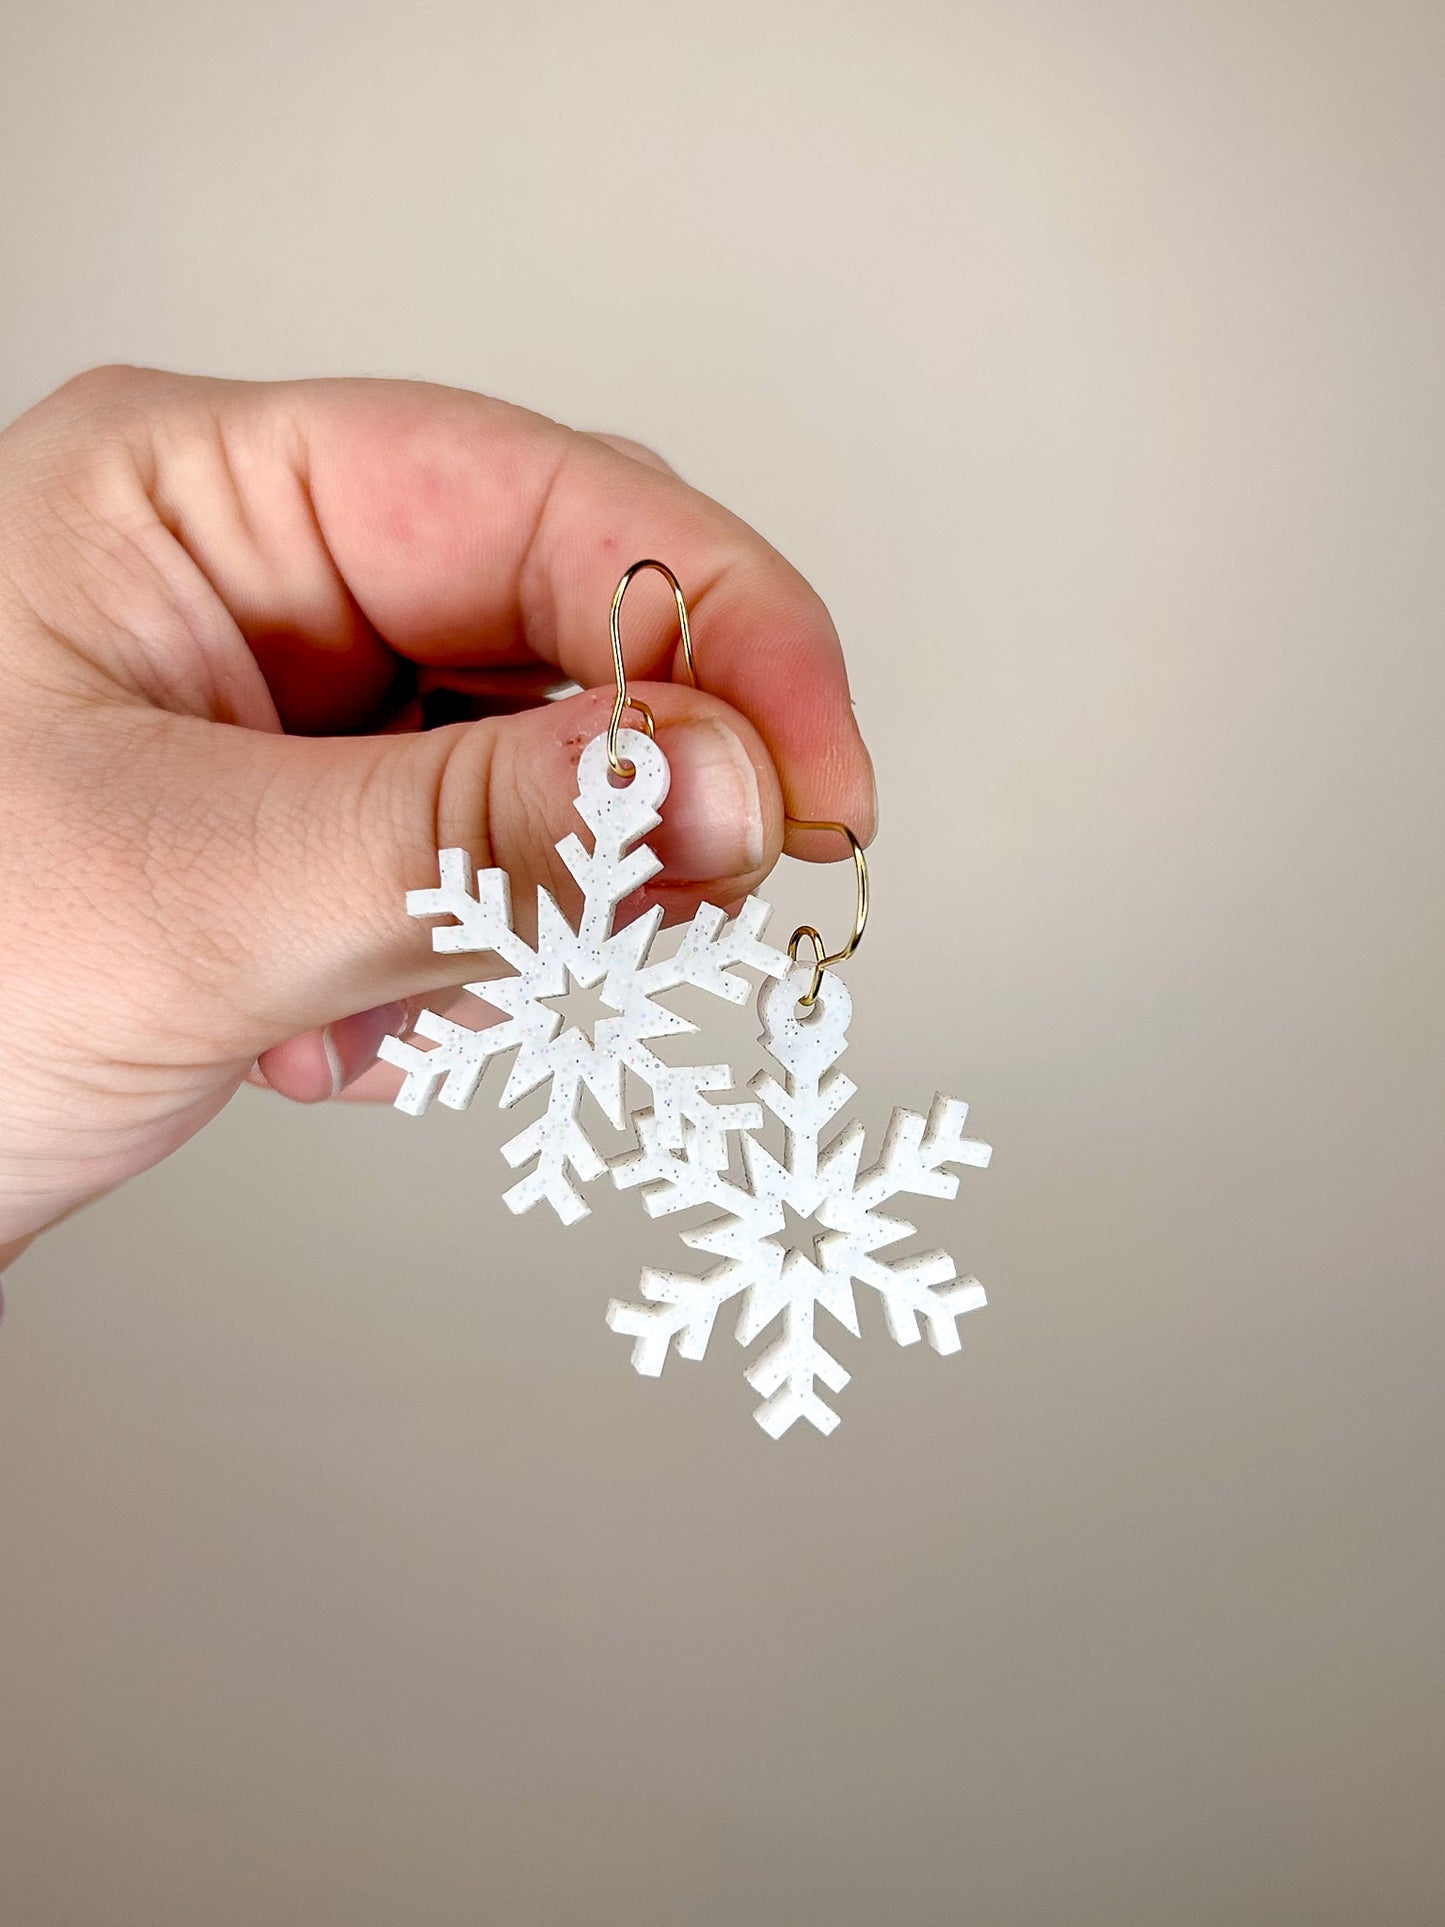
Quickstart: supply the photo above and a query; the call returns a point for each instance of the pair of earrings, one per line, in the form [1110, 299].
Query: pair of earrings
[683, 1154]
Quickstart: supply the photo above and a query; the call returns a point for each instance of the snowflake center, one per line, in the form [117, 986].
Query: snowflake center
[582, 1009]
[799, 1233]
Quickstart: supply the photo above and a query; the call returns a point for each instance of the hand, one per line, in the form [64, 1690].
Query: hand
[226, 612]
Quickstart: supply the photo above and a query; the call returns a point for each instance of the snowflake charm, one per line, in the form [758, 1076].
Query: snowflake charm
[594, 956]
[824, 1186]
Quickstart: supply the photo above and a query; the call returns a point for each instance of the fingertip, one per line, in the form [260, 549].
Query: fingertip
[320, 1064]
[297, 1069]
[715, 823]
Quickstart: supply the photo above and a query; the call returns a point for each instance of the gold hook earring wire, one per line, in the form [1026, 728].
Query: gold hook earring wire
[822, 959]
[616, 763]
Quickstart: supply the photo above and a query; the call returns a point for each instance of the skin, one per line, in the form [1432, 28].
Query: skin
[227, 612]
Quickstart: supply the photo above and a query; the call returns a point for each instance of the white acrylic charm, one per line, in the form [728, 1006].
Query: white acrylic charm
[616, 963]
[777, 1274]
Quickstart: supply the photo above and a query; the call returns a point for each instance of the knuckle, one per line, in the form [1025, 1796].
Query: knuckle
[103, 381]
[96, 406]
[635, 451]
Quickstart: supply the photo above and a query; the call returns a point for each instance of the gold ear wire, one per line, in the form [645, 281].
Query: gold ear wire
[822, 960]
[624, 701]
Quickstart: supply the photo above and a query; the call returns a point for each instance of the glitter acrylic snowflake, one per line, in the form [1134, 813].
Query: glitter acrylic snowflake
[617, 963]
[819, 1183]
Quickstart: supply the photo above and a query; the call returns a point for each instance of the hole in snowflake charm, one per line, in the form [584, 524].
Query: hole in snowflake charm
[758, 1238]
[595, 957]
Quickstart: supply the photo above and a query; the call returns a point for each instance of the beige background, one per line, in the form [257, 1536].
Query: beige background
[1089, 360]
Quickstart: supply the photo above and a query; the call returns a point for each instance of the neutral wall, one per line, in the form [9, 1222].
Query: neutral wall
[1089, 360]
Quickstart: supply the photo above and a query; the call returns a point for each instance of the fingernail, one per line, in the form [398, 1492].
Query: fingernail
[351, 1043]
[712, 821]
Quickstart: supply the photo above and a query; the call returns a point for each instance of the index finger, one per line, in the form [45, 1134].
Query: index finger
[469, 531]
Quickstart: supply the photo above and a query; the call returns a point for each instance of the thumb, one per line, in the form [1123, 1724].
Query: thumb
[313, 844]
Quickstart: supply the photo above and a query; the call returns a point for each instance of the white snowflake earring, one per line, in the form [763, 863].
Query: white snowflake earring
[616, 963]
[762, 1260]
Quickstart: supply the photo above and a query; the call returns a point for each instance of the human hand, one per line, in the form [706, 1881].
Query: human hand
[226, 612]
